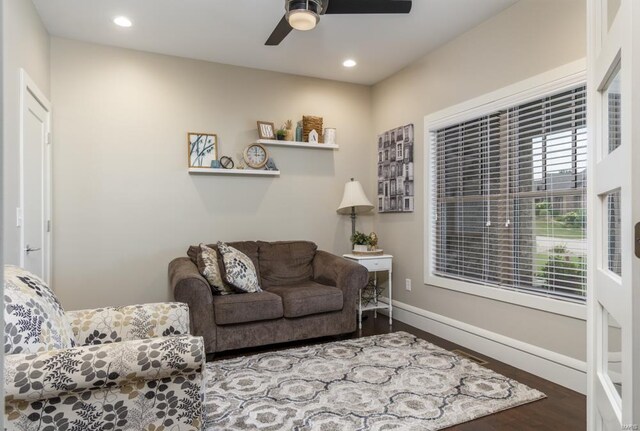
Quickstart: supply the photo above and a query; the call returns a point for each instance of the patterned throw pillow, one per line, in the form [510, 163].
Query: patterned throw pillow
[208, 267]
[239, 270]
[34, 320]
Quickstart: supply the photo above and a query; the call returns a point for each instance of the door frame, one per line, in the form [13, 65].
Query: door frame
[29, 87]
[613, 47]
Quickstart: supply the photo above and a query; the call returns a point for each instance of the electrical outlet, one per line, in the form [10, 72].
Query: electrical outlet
[407, 284]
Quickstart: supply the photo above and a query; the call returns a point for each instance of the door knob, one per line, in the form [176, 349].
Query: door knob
[28, 249]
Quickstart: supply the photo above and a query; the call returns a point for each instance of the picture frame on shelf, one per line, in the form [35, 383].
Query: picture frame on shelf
[202, 149]
[266, 130]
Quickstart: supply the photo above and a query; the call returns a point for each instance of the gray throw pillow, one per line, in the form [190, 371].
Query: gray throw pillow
[239, 270]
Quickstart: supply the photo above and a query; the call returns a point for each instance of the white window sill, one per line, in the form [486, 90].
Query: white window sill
[529, 300]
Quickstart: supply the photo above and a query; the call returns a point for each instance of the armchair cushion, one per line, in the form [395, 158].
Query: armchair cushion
[135, 385]
[308, 298]
[43, 375]
[34, 320]
[132, 322]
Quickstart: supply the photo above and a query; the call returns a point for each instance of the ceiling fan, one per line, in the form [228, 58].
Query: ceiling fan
[305, 14]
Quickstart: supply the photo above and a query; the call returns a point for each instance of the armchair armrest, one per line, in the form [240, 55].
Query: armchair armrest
[336, 271]
[189, 286]
[133, 322]
[49, 374]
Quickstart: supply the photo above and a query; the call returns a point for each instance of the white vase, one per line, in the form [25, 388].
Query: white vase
[360, 247]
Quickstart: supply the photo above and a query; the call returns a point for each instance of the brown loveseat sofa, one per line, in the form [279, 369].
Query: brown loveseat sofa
[307, 293]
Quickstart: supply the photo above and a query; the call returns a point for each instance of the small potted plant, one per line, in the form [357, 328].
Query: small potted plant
[360, 241]
[281, 134]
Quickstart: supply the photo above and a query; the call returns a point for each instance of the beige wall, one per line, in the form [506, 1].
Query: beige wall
[529, 38]
[26, 45]
[124, 204]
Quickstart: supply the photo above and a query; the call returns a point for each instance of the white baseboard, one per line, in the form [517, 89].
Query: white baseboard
[561, 369]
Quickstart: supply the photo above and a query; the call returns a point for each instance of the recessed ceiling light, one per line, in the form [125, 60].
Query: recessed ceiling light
[349, 63]
[122, 21]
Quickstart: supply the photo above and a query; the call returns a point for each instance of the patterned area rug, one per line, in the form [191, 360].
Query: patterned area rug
[384, 382]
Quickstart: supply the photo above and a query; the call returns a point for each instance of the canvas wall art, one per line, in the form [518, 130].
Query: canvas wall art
[395, 170]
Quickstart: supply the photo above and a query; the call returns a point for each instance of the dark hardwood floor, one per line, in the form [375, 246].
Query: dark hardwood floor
[562, 410]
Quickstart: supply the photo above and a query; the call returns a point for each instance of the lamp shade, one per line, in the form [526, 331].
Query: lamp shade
[354, 197]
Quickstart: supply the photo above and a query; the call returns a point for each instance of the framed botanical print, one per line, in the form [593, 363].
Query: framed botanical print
[203, 149]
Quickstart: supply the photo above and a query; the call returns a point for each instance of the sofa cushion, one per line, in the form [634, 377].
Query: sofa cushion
[308, 298]
[250, 248]
[246, 307]
[34, 320]
[286, 262]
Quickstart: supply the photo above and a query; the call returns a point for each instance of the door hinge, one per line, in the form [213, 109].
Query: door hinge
[48, 225]
[48, 138]
[18, 217]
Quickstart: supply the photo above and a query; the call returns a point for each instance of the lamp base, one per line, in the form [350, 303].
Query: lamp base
[353, 221]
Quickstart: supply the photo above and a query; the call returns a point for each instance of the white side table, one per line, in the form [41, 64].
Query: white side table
[375, 264]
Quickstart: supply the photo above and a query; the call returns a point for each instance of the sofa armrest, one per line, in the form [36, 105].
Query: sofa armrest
[44, 375]
[348, 276]
[190, 287]
[132, 322]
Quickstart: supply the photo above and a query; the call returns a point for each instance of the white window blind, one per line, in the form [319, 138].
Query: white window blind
[509, 198]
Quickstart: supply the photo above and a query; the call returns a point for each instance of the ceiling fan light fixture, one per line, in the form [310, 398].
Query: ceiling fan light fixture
[303, 14]
[303, 20]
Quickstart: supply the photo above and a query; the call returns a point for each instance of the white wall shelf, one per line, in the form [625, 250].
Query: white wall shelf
[297, 144]
[246, 171]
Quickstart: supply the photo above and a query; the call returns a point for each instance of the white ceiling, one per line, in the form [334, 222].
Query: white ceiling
[234, 32]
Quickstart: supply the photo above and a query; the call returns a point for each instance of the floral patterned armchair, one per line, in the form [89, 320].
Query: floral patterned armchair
[126, 368]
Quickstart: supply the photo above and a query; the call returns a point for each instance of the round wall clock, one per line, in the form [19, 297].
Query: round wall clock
[256, 156]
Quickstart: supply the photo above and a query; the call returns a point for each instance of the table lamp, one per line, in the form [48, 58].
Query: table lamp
[354, 201]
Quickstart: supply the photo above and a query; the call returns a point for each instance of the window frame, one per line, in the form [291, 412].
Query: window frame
[553, 81]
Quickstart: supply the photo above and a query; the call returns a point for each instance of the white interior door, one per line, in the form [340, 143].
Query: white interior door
[35, 180]
[614, 209]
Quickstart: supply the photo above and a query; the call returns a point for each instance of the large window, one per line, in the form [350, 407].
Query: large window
[508, 198]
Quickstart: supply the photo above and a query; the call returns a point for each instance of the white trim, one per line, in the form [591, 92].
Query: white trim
[223, 171]
[558, 368]
[28, 86]
[298, 144]
[611, 47]
[553, 81]
[524, 299]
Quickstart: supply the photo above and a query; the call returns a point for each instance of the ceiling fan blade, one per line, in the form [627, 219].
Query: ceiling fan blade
[279, 33]
[368, 6]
